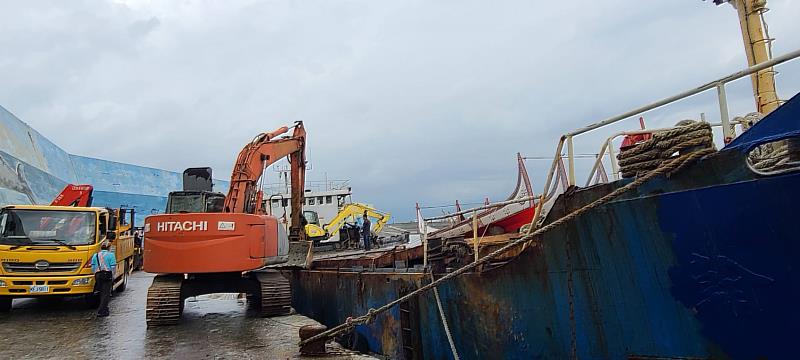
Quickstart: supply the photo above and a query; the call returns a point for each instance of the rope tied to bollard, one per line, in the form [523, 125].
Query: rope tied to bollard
[667, 168]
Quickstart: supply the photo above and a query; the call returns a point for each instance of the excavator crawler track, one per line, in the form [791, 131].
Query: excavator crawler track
[164, 302]
[276, 294]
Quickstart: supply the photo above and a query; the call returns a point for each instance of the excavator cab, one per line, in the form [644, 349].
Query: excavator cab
[314, 230]
[197, 195]
[195, 202]
[311, 217]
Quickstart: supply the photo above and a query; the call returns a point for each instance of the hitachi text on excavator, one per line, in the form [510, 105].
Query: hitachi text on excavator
[203, 245]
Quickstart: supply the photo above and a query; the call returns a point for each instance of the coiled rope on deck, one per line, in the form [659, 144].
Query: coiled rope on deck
[769, 156]
[646, 156]
[667, 168]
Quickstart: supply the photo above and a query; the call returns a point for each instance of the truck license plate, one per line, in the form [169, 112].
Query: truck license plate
[39, 289]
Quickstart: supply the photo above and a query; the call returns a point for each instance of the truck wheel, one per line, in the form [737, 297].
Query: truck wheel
[124, 284]
[5, 304]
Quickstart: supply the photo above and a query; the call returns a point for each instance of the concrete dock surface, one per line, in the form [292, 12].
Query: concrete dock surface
[216, 326]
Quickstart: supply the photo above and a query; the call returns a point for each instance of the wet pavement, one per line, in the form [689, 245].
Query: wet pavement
[213, 327]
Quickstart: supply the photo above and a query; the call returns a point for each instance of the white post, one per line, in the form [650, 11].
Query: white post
[571, 160]
[727, 131]
[475, 232]
[612, 158]
[425, 250]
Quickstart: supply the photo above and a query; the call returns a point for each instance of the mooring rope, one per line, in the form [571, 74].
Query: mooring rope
[667, 168]
[444, 322]
[646, 156]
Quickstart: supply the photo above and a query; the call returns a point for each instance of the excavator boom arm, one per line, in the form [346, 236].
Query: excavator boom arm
[257, 155]
[383, 219]
[243, 194]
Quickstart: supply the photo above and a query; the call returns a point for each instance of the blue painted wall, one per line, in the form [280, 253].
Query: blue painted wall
[34, 170]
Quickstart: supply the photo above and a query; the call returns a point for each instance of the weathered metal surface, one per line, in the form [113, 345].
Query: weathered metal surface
[312, 348]
[699, 265]
[331, 296]
[376, 259]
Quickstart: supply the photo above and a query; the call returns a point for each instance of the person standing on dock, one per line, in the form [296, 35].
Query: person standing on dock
[104, 265]
[365, 233]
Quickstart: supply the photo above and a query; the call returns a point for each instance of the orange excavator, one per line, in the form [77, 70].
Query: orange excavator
[199, 247]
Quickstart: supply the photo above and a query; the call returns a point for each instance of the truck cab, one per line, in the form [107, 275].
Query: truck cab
[47, 250]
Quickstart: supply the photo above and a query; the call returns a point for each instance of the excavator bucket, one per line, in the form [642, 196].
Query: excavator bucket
[300, 255]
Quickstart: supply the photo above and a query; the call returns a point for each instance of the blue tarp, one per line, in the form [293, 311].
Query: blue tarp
[779, 124]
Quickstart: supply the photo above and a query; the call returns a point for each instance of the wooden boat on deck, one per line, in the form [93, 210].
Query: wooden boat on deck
[504, 218]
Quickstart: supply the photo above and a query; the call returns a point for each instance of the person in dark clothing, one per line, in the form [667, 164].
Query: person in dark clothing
[366, 233]
[137, 239]
[138, 250]
[104, 264]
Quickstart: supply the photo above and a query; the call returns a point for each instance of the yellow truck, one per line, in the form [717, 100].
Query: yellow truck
[46, 250]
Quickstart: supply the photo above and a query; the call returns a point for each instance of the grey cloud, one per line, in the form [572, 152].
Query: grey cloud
[143, 27]
[413, 101]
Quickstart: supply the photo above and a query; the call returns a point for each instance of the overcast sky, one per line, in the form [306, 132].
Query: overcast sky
[413, 101]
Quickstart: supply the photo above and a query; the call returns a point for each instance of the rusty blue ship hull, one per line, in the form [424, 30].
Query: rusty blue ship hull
[703, 264]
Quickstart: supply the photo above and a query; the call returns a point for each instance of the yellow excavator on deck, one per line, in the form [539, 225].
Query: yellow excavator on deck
[346, 218]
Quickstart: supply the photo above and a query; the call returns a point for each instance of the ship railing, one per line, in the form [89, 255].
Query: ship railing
[567, 140]
[562, 175]
[317, 186]
[608, 149]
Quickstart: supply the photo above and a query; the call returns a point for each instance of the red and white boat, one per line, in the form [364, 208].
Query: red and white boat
[501, 219]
